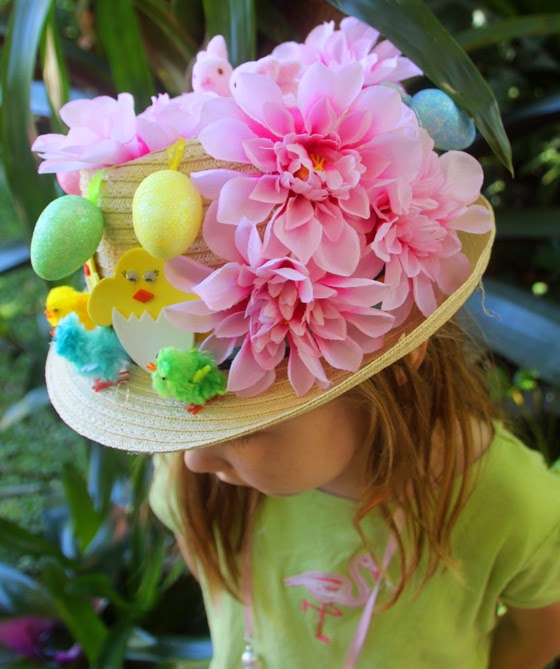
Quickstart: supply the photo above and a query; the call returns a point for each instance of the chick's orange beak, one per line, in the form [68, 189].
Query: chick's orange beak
[142, 295]
[151, 367]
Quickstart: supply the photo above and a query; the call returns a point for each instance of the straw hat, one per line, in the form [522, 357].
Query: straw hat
[135, 418]
[311, 178]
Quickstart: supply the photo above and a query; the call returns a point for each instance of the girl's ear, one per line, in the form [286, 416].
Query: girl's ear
[416, 356]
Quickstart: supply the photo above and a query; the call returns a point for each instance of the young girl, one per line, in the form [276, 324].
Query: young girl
[340, 485]
[309, 505]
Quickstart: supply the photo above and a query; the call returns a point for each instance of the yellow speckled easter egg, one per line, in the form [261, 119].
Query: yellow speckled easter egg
[166, 213]
[66, 235]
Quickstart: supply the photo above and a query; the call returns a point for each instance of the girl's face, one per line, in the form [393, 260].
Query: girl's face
[324, 448]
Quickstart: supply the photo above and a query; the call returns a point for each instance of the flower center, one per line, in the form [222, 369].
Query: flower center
[318, 166]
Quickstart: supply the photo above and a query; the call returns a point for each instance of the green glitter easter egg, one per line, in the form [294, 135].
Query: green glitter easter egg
[166, 213]
[66, 235]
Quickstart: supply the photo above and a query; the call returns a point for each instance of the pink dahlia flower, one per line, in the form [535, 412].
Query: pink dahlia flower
[105, 132]
[275, 307]
[418, 242]
[102, 132]
[355, 42]
[316, 160]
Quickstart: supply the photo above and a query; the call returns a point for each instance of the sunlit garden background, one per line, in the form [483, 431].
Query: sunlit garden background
[88, 576]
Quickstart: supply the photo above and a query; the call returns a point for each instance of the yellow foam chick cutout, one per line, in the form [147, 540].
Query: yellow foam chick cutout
[139, 285]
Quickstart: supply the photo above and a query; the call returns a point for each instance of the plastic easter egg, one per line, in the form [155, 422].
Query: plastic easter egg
[66, 235]
[449, 126]
[166, 213]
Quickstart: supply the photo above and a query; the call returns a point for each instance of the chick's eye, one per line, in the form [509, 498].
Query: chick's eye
[150, 275]
[132, 276]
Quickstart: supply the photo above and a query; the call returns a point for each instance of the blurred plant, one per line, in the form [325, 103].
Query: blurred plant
[105, 595]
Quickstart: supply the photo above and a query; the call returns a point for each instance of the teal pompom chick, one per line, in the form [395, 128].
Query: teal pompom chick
[190, 376]
[97, 353]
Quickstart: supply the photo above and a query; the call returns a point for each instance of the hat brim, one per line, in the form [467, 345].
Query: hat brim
[133, 417]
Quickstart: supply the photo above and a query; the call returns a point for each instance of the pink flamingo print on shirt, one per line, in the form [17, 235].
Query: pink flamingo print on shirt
[331, 589]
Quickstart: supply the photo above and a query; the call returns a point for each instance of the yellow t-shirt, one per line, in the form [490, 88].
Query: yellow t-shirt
[506, 541]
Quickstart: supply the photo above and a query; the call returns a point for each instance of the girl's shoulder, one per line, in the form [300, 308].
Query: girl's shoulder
[513, 488]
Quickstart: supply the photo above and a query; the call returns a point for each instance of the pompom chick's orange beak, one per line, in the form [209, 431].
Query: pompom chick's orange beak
[151, 367]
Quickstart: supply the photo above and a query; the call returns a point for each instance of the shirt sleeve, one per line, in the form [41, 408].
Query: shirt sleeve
[538, 583]
[163, 499]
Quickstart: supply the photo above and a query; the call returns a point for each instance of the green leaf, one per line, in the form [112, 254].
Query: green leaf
[98, 585]
[411, 26]
[165, 19]
[117, 29]
[105, 468]
[21, 595]
[35, 399]
[148, 591]
[272, 22]
[31, 193]
[113, 653]
[235, 20]
[519, 327]
[76, 612]
[18, 541]
[191, 16]
[85, 519]
[55, 74]
[507, 29]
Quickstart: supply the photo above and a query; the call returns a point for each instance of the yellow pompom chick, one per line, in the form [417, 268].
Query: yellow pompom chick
[64, 300]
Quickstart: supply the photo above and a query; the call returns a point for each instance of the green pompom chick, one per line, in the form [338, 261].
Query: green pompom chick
[190, 376]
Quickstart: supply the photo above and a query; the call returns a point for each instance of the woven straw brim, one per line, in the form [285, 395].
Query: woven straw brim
[135, 418]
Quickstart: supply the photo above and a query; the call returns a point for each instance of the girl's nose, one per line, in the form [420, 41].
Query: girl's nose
[205, 461]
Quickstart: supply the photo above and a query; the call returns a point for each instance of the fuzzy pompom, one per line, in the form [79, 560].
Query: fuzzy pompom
[95, 353]
[189, 376]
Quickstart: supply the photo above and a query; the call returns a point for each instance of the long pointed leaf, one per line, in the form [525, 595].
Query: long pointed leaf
[19, 541]
[513, 28]
[414, 29]
[520, 327]
[31, 193]
[113, 653]
[55, 74]
[118, 32]
[235, 20]
[20, 595]
[85, 519]
[76, 612]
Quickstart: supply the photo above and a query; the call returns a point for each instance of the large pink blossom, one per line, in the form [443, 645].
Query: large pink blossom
[104, 132]
[315, 160]
[354, 42]
[273, 308]
[418, 242]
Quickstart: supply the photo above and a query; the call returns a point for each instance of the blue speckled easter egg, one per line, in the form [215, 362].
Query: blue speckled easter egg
[66, 235]
[449, 126]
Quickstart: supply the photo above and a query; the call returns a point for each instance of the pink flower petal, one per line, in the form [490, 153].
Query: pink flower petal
[220, 237]
[192, 316]
[255, 93]
[244, 371]
[184, 273]
[424, 295]
[260, 152]
[235, 202]
[477, 219]
[209, 183]
[454, 272]
[224, 139]
[221, 289]
[340, 87]
[463, 174]
[341, 354]
[340, 256]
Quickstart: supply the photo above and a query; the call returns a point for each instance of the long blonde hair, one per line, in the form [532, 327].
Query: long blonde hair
[403, 404]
